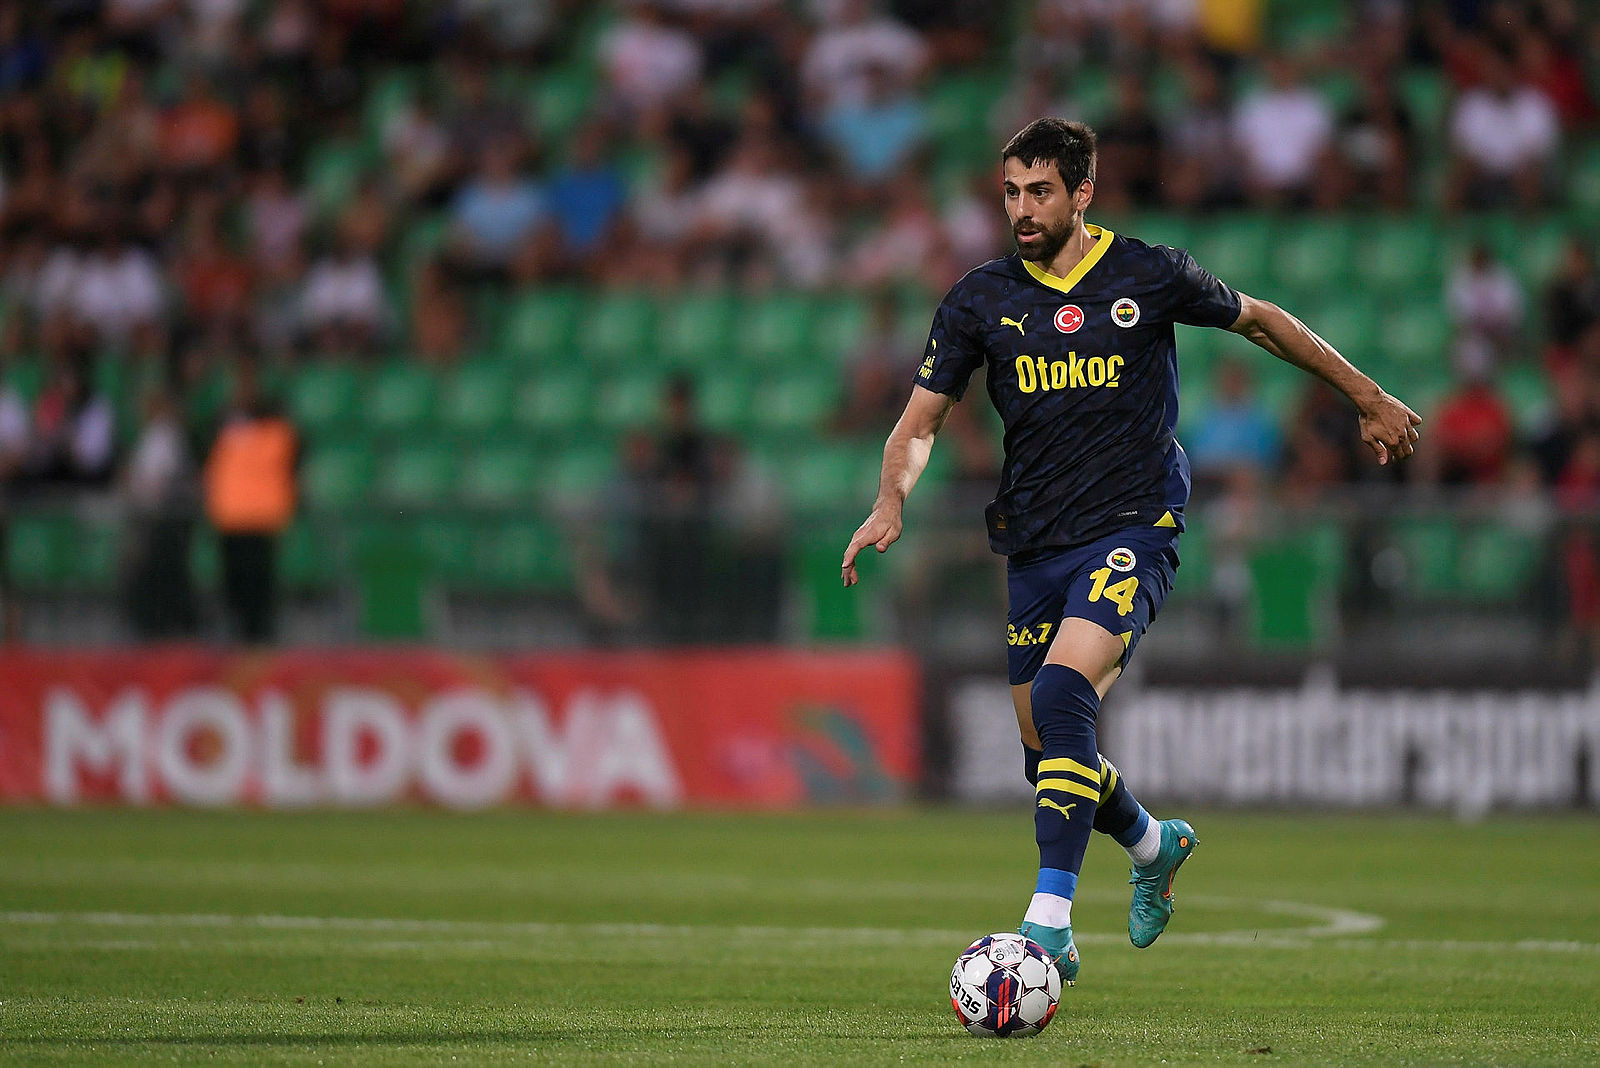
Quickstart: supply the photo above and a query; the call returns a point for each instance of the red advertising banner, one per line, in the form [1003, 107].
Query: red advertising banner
[370, 727]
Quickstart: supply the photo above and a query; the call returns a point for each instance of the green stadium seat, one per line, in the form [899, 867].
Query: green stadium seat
[323, 398]
[696, 328]
[477, 398]
[448, 546]
[1239, 251]
[553, 403]
[561, 98]
[619, 328]
[725, 400]
[798, 401]
[523, 554]
[332, 173]
[418, 474]
[39, 546]
[776, 329]
[500, 475]
[837, 326]
[1429, 545]
[338, 477]
[958, 107]
[578, 476]
[1583, 180]
[1314, 255]
[1349, 323]
[1418, 334]
[1400, 257]
[1159, 228]
[831, 477]
[26, 375]
[539, 325]
[1426, 93]
[400, 398]
[628, 399]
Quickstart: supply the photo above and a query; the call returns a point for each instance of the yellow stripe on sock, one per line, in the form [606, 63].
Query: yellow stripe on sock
[1068, 764]
[1109, 781]
[1069, 786]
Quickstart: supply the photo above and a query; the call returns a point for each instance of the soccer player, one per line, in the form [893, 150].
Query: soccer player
[1076, 329]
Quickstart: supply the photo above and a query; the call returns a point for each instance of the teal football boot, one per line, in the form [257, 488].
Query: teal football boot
[1152, 883]
[1056, 941]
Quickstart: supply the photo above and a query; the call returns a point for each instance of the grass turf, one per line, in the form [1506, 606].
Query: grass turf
[516, 937]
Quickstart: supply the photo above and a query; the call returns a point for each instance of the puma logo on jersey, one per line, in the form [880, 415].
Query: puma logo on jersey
[1005, 321]
[1065, 810]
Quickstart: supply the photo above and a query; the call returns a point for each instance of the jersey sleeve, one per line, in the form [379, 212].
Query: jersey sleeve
[953, 351]
[1201, 298]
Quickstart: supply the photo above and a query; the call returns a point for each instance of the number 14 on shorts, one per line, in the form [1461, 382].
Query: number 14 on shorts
[1119, 593]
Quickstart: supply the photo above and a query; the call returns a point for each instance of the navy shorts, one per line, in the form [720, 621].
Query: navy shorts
[1120, 582]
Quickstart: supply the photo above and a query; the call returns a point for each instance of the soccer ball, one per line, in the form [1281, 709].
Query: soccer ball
[1004, 986]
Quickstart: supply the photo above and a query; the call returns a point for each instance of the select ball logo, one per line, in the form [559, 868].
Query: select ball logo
[1125, 312]
[1121, 560]
[1068, 318]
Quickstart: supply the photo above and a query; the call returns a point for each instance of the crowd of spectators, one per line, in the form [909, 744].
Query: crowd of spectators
[188, 185]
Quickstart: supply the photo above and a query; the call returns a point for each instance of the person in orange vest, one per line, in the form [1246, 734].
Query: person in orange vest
[250, 492]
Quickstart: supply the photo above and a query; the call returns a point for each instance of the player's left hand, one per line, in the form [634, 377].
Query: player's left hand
[1389, 428]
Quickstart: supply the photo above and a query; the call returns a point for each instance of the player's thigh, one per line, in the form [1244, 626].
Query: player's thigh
[1022, 701]
[1112, 600]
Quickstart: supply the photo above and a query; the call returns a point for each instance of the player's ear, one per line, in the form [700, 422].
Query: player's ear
[1085, 194]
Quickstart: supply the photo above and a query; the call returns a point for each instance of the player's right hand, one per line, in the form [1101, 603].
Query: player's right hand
[881, 530]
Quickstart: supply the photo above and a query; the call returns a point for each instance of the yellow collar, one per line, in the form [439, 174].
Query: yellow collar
[1074, 276]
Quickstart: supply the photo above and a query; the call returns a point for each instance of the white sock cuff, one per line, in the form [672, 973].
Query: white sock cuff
[1148, 847]
[1049, 910]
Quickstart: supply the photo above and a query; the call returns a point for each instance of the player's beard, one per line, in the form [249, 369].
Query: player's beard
[1051, 241]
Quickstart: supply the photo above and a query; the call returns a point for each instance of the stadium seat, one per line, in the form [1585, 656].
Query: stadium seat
[1400, 257]
[322, 398]
[1417, 333]
[1349, 322]
[308, 559]
[1583, 180]
[38, 546]
[724, 399]
[837, 325]
[447, 546]
[628, 399]
[618, 328]
[400, 398]
[1238, 251]
[1526, 389]
[522, 554]
[477, 398]
[796, 401]
[539, 325]
[418, 474]
[553, 403]
[696, 328]
[500, 475]
[1496, 562]
[338, 477]
[831, 478]
[560, 99]
[332, 172]
[577, 476]
[1314, 254]
[1429, 545]
[776, 329]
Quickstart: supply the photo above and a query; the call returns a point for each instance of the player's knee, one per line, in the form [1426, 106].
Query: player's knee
[1064, 702]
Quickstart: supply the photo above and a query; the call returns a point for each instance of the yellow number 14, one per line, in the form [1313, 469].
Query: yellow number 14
[1121, 593]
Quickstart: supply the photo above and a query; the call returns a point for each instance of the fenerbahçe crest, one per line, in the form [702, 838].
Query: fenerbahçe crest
[1125, 312]
[1121, 559]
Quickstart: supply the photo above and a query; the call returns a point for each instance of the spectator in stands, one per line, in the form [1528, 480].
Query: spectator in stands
[1486, 305]
[1284, 131]
[1575, 391]
[1473, 435]
[215, 283]
[418, 151]
[875, 371]
[1130, 144]
[15, 447]
[907, 245]
[1571, 302]
[250, 497]
[345, 306]
[663, 220]
[1505, 135]
[587, 198]
[438, 317]
[268, 140]
[480, 120]
[877, 133]
[118, 289]
[757, 221]
[158, 486]
[199, 134]
[1199, 166]
[852, 49]
[275, 220]
[498, 218]
[1375, 147]
[73, 431]
[649, 64]
[1318, 454]
[1235, 430]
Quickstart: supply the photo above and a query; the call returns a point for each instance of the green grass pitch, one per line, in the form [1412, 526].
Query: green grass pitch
[415, 937]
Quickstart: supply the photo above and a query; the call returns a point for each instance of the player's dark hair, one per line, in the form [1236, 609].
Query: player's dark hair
[1069, 145]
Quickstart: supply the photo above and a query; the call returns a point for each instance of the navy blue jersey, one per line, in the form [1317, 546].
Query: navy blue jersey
[1084, 373]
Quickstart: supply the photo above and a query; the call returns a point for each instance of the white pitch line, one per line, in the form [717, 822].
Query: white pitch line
[1334, 927]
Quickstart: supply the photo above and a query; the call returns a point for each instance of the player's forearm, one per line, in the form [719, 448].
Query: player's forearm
[1290, 340]
[905, 457]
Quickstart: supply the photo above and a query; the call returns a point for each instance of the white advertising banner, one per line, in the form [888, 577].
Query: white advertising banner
[1315, 744]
